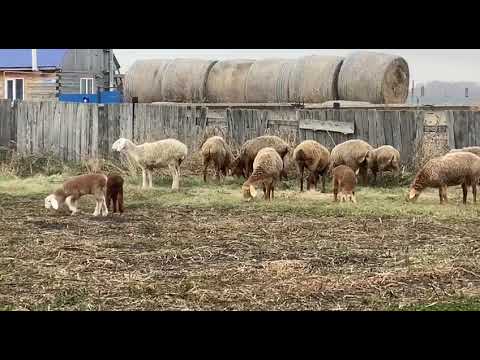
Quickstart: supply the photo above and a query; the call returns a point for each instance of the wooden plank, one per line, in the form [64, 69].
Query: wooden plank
[388, 127]
[372, 128]
[471, 128]
[332, 126]
[380, 118]
[460, 129]
[361, 124]
[476, 121]
[450, 125]
[396, 131]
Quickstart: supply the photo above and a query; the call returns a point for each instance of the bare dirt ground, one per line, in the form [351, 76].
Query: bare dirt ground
[164, 254]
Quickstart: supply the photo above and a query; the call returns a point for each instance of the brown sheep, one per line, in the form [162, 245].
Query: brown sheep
[243, 164]
[459, 168]
[216, 150]
[383, 158]
[352, 153]
[267, 168]
[76, 187]
[115, 192]
[316, 158]
[344, 182]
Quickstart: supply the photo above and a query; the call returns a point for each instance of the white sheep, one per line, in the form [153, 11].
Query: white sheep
[158, 154]
[74, 188]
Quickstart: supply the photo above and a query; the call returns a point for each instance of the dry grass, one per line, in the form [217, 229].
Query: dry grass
[204, 248]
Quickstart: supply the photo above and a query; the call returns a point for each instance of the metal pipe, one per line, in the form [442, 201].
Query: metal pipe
[34, 60]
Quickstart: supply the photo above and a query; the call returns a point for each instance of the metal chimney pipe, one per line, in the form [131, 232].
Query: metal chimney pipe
[34, 60]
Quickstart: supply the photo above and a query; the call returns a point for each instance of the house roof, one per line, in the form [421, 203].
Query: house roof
[22, 58]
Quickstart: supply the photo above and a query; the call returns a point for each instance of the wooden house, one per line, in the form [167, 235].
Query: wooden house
[40, 74]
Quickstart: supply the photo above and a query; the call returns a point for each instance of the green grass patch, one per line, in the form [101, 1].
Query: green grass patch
[373, 201]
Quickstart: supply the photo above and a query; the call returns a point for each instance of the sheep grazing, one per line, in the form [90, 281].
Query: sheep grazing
[115, 192]
[76, 187]
[158, 154]
[458, 168]
[383, 158]
[471, 149]
[344, 182]
[316, 158]
[267, 168]
[216, 150]
[352, 153]
[243, 164]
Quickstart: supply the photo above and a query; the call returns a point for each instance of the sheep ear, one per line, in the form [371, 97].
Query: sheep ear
[253, 192]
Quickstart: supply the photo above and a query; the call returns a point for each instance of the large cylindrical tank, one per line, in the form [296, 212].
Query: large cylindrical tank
[267, 81]
[373, 77]
[185, 80]
[144, 80]
[314, 79]
[226, 81]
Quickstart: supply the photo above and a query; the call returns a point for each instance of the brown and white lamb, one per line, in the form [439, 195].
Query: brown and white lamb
[267, 168]
[352, 153]
[215, 149]
[344, 182]
[243, 164]
[383, 158]
[316, 158]
[76, 187]
[115, 192]
[458, 168]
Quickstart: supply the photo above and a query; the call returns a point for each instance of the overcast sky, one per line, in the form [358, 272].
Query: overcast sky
[425, 65]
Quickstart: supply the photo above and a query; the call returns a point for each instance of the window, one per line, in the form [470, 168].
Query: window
[86, 86]
[14, 88]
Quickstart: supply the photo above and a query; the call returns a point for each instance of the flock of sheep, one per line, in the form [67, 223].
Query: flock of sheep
[262, 161]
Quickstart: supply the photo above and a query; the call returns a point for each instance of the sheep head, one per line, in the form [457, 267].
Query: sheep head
[249, 192]
[413, 194]
[51, 202]
[120, 145]
[370, 157]
[348, 196]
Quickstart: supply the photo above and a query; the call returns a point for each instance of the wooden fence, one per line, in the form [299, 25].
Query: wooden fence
[76, 131]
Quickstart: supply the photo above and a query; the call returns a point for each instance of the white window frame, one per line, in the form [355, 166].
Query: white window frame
[14, 88]
[86, 85]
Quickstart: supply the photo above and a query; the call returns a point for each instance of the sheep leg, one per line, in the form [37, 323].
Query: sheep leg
[323, 182]
[97, 207]
[267, 197]
[465, 192]
[272, 190]
[70, 201]
[104, 208]
[150, 182]
[335, 191]
[175, 180]
[114, 197]
[474, 191]
[120, 201]
[374, 173]
[144, 178]
[301, 169]
[218, 170]
[205, 167]
[364, 175]
[177, 170]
